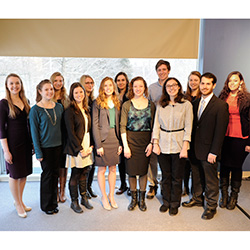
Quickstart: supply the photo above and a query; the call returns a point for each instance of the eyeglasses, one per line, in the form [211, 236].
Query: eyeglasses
[171, 86]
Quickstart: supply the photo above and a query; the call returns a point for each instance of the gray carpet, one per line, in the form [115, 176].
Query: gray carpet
[98, 219]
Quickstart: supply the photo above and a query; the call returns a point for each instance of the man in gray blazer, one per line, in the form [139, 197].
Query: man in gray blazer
[211, 118]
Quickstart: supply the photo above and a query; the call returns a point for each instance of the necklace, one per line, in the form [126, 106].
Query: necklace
[53, 123]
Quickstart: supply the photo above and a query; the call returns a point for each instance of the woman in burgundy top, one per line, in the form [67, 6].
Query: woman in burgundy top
[237, 142]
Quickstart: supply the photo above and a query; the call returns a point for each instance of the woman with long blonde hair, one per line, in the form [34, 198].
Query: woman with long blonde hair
[15, 139]
[106, 134]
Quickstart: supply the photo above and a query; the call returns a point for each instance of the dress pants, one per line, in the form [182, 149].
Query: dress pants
[172, 168]
[205, 179]
[49, 177]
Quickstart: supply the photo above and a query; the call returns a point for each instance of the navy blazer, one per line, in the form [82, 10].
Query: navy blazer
[75, 127]
[209, 131]
[101, 124]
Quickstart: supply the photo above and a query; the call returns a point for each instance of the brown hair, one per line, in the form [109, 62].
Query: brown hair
[39, 88]
[12, 110]
[165, 98]
[188, 94]
[101, 100]
[72, 100]
[130, 93]
[242, 94]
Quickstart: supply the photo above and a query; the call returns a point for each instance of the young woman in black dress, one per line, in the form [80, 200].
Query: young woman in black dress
[15, 139]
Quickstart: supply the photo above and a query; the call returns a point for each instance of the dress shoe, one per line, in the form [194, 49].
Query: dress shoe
[91, 192]
[163, 208]
[106, 204]
[208, 214]
[26, 209]
[23, 215]
[112, 203]
[121, 190]
[173, 211]
[128, 192]
[192, 203]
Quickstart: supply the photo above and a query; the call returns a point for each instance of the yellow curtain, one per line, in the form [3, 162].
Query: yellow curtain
[104, 38]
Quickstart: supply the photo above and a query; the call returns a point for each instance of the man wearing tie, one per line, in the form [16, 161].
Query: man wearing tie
[211, 118]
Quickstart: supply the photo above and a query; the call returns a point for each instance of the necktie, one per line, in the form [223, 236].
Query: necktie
[201, 109]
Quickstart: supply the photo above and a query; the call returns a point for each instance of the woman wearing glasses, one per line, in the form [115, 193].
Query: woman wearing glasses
[171, 137]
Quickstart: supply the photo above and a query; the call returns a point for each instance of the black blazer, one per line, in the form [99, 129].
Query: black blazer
[245, 119]
[209, 131]
[101, 125]
[75, 127]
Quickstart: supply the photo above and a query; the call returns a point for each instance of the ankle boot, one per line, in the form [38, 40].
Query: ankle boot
[74, 199]
[224, 183]
[83, 193]
[235, 189]
[133, 202]
[142, 204]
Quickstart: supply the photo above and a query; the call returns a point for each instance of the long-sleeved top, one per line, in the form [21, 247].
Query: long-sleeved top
[44, 134]
[155, 92]
[171, 118]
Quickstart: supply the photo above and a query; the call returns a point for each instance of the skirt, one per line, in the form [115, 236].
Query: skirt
[138, 163]
[110, 146]
[233, 152]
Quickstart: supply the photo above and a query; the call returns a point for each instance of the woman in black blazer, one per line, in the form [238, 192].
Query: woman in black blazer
[78, 145]
[237, 142]
[106, 134]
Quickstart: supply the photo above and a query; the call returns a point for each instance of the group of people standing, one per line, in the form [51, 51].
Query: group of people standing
[134, 127]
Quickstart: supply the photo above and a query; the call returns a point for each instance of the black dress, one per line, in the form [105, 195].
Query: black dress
[16, 131]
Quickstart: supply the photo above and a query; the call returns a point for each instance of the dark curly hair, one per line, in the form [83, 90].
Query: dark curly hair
[165, 98]
[243, 95]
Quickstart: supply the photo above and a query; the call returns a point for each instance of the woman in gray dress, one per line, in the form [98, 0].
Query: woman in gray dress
[106, 134]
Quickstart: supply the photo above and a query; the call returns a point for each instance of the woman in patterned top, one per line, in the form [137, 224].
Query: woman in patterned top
[136, 127]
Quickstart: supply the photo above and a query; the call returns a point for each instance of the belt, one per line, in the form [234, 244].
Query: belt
[169, 131]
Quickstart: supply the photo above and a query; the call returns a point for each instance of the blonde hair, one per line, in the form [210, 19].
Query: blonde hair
[82, 81]
[101, 100]
[63, 95]
[12, 110]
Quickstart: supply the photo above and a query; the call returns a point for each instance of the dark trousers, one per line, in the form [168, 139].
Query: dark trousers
[49, 177]
[205, 179]
[172, 168]
[122, 171]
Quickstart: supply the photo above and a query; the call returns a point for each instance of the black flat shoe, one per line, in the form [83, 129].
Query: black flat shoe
[208, 214]
[49, 212]
[163, 208]
[91, 192]
[56, 210]
[173, 211]
[121, 190]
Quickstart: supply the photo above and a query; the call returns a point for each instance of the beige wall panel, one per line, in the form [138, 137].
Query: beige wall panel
[111, 38]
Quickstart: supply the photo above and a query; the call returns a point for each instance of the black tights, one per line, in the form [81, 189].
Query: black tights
[142, 182]
[236, 173]
[78, 174]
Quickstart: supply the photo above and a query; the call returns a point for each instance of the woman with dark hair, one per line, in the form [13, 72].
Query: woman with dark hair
[236, 144]
[106, 134]
[45, 124]
[61, 96]
[136, 128]
[122, 82]
[193, 92]
[78, 148]
[15, 139]
[88, 84]
[171, 137]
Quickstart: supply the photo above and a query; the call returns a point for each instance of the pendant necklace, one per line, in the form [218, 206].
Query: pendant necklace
[53, 123]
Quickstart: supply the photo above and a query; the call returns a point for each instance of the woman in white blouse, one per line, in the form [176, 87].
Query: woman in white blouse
[171, 137]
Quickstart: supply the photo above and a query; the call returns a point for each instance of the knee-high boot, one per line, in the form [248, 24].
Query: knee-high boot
[235, 189]
[83, 193]
[133, 202]
[142, 204]
[74, 199]
[224, 183]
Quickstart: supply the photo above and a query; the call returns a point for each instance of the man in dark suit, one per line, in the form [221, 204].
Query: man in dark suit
[211, 118]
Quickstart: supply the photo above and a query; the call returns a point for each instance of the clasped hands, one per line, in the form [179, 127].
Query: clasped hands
[100, 151]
